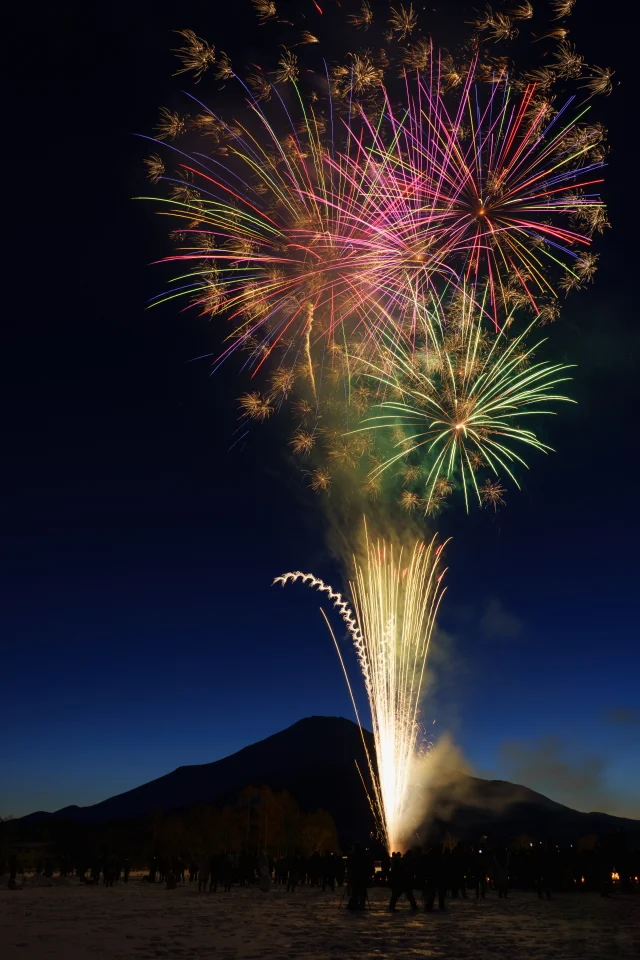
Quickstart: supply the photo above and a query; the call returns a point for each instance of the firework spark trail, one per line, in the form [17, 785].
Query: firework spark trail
[429, 194]
[396, 594]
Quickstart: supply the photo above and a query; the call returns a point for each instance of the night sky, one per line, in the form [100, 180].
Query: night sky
[138, 544]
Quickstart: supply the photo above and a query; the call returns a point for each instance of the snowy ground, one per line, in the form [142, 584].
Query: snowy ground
[140, 921]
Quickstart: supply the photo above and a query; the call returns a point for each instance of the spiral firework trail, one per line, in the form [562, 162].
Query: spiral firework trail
[383, 228]
[396, 594]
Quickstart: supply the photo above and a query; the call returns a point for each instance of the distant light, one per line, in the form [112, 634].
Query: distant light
[530, 844]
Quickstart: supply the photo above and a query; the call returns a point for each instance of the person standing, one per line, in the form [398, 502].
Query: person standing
[501, 873]
[214, 873]
[401, 876]
[203, 874]
[293, 875]
[328, 872]
[227, 872]
[543, 872]
[359, 870]
[480, 869]
[434, 879]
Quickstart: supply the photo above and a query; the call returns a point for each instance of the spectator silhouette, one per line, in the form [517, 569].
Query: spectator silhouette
[328, 872]
[433, 879]
[501, 873]
[203, 874]
[401, 876]
[480, 872]
[293, 874]
[227, 872]
[543, 871]
[359, 870]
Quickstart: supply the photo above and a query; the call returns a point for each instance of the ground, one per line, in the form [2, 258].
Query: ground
[145, 922]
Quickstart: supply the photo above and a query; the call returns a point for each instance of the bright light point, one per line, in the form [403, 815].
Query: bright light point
[391, 623]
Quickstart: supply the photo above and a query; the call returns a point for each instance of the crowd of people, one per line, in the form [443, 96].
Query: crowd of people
[435, 872]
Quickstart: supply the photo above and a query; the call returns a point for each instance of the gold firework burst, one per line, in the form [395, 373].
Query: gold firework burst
[599, 80]
[302, 442]
[409, 501]
[320, 480]
[548, 313]
[341, 454]
[281, 383]
[491, 492]
[403, 20]
[416, 56]
[196, 54]
[288, 70]
[567, 62]
[543, 77]
[432, 506]
[562, 8]
[586, 265]
[265, 10]
[155, 168]
[255, 406]
[170, 125]
[523, 11]
[501, 27]
[260, 86]
[224, 70]
[364, 17]
[442, 487]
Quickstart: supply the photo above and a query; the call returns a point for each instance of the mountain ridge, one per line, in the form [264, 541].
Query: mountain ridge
[308, 759]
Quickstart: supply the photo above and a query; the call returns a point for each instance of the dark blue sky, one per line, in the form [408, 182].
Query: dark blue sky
[139, 627]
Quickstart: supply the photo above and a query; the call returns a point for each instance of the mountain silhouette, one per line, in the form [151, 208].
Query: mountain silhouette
[321, 762]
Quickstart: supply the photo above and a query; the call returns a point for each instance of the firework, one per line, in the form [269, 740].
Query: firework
[396, 593]
[196, 54]
[320, 480]
[255, 406]
[403, 20]
[523, 11]
[472, 411]
[562, 8]
[600, 80]
[416, 56]
[374, 232]
[567, 63]
[265, 10]
[310, 244]
[498, 207]
[491, 493]
[155, 168]
[302, 442]
[364, 17]
[170, 125]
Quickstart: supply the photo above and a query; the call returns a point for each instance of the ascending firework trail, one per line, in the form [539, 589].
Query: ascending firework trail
[396, 594]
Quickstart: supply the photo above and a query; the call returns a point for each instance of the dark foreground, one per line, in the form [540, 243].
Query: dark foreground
[140, 921]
